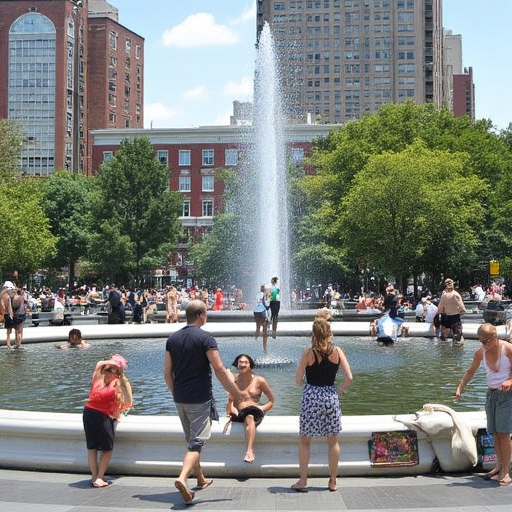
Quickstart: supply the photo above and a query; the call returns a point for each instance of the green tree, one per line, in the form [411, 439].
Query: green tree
[413, 211]
[345, 152]
[394, 127]
[506, 136]
[216, 257]
[135, 217]
[311, 255]
[10, 146]
[502, 209]
[27, 241]
[66, 202]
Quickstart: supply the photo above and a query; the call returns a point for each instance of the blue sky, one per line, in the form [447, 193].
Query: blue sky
[199, 56]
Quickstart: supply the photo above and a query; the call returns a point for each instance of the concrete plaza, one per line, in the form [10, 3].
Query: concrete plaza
[22, 491]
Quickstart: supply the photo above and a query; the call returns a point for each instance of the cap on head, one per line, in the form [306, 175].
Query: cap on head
[118, 360]
[8, 285]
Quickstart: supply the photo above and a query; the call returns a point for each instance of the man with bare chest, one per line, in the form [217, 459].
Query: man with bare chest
[450, 308]
[171, 305]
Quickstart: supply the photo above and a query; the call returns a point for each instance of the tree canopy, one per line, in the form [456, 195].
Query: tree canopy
[66, 202]
[410, 188]
[27, 241]
[218, 257]
[413, 211]
[11, 140]
[136, 218]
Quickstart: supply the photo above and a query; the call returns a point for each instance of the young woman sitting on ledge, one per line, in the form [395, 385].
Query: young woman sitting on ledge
[247, 410]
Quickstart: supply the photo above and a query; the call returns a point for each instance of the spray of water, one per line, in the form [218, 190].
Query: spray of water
[268, 169]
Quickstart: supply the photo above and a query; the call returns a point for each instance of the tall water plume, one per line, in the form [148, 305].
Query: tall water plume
[267, 253]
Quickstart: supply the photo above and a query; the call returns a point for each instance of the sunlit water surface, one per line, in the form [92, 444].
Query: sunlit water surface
[394, 380]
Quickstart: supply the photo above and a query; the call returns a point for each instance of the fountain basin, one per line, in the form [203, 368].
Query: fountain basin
[218, 329]
[154, 445]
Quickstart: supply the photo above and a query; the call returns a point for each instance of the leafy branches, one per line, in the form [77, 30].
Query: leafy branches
[133, 212]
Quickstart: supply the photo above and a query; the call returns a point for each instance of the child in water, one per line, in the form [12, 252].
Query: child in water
[74, 340]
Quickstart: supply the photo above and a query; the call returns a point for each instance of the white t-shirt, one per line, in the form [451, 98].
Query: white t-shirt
[430, 312]
[419, 311]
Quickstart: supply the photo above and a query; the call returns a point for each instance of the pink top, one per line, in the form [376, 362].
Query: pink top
[104, 399]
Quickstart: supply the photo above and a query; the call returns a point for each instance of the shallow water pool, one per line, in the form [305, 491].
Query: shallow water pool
[387, 380]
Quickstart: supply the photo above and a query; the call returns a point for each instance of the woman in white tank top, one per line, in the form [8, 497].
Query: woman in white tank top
[496, 355]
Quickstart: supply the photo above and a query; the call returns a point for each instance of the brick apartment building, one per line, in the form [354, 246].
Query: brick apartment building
[459, 85]
[464, 94]
[67, 66]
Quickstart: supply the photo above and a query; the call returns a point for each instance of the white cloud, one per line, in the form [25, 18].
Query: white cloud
[199, 30]
[249, 14]
[158, 115]
[196, 93]
[242, 90]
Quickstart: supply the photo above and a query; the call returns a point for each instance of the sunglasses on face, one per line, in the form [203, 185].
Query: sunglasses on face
[488, 340]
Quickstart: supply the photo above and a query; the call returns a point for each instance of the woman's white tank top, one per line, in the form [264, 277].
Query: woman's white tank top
[496, 377]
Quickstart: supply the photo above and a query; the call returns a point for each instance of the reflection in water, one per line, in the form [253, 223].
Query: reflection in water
[394, 380]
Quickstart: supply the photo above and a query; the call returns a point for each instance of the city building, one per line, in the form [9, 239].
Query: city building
[464, 94]
[54, 57]
[452, 63]
[115, 68]
[242, 113]
[459, 86]
[341, 59]
[194, 157]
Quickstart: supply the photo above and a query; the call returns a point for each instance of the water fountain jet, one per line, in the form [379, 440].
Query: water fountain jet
[264, 184]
